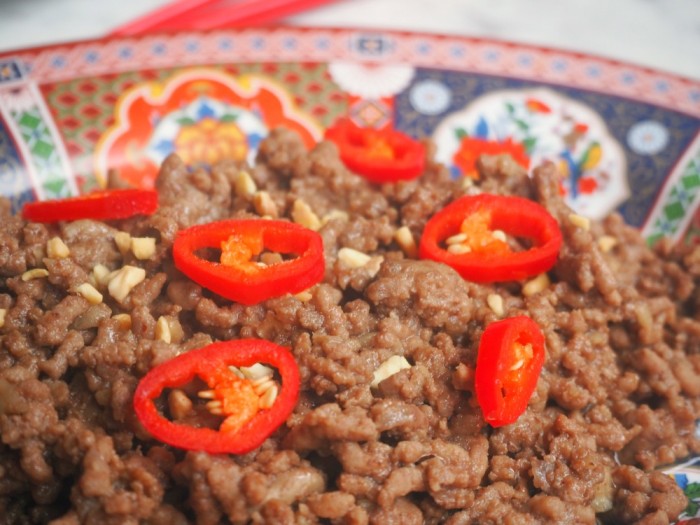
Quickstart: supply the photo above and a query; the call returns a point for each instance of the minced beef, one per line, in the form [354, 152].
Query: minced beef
[618, 397]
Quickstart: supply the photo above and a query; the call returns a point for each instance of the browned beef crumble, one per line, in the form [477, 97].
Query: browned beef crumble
[618, 396]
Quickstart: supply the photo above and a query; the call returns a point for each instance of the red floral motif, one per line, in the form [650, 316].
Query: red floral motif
[587, 185]
[471, 148]
[537, 106]
[124, 146]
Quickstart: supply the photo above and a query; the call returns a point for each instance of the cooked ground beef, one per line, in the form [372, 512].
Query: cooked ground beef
[618, 396]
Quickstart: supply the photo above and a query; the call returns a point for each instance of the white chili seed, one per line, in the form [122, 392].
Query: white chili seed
[500, 235]
[268, 397]
[456, 239]
[256, 371]
[458, 249]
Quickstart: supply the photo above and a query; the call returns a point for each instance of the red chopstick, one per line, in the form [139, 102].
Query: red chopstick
[214, 14]
[152, 20]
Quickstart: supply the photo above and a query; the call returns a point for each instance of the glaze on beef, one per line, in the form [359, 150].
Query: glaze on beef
[617, 399]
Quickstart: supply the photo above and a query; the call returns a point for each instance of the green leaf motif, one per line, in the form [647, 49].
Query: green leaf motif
[228, 117]
[691, 509]
[529, 144]
[186, 121]
[692, 490]
[461, 133]
[55, 187]
[522, 124]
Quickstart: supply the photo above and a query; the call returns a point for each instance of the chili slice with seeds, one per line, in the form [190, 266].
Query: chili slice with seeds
[246, 426]
[237, 276]
[379, 155]
[508, 365]
[486, 258]
[99, 205]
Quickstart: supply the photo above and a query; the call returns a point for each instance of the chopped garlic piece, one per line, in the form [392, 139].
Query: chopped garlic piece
[143, 247]
[89, 292]
[124, 321]
[162, 331]
[495, 302]
[124, 280]
[179, 403]
[264, 205]
[536, 285]
[353, 258]
[304, 215]
[3, 313]
[404, 238]
[335, 214]
[388, 368]
[607, 243]
[244, 185]
[56, 248]
[100, 274]
[35, 273]
[579, 220]
[304, 296]
[123, 242]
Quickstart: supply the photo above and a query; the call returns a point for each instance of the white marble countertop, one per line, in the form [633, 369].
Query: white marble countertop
[660, 34]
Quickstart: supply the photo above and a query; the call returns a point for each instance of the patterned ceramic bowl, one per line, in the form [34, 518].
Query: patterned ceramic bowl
[625, 138]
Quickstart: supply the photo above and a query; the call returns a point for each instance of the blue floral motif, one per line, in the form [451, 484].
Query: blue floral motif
[430, 97]
[648, 137]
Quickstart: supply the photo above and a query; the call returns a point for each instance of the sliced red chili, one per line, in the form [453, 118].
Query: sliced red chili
[238, 434]
[100, 205]
[508, 365]
[238, 276]
[385, 155]
[469, 235]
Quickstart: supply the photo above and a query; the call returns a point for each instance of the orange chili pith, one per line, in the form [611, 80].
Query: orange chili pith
[385, 155]
[246, 426]
[508, 365]
[483, 255]
[238, 276]
[99, 205]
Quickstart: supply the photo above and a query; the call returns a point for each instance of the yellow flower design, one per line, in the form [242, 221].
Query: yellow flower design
[209, 141]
